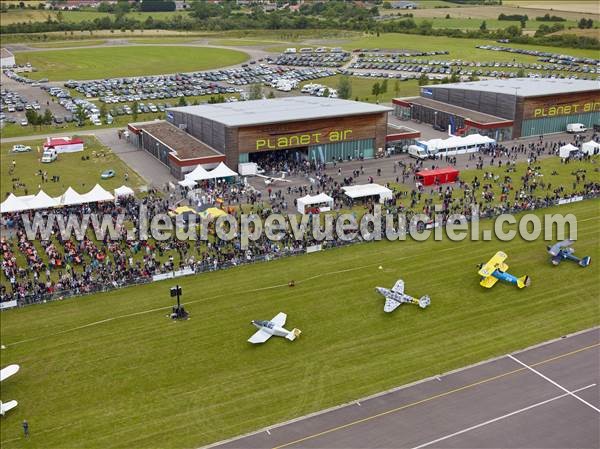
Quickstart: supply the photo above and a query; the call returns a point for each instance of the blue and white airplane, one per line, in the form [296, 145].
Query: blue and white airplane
[496, 269]
[396, 296]
[266, 329]
[562, 251]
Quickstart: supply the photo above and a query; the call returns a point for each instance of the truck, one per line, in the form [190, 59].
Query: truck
[576, 128]
[49, 155]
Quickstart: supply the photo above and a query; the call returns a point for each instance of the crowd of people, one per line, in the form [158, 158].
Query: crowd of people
[59, 267]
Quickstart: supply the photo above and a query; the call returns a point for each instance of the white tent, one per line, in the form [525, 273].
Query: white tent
[123, 191]
[197, 174]
[97, 194]
[321, 198]
[457, 144]
[14, 203]
[69, 198]
[590, 147]
[364, 190]
[566, 150]
[42, 201]
[187, 182]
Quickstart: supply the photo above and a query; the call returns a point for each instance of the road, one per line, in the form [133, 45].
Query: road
[545, 396]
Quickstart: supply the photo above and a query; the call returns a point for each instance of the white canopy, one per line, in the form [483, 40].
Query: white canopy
[590, 147]
[308, 200]
[123, 191]
[187, 182]
[14, 203]
[197, 174]
[97, 194]
[364, 190]
[42, 201]
[471, 140]
[566, 150]
[70, 198]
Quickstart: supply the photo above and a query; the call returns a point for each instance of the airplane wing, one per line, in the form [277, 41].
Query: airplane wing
[493, 263]
[279, 319]
[5, 373]
[6, 406]
[259, 336]
[390, 305]
[488, 282]
[398, 286]
[555, 249]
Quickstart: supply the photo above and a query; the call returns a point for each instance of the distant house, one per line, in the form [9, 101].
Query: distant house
[182, 5]
[7, 59]
[403, 5]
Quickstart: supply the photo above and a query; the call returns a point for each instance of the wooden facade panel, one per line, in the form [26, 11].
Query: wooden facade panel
[558, 105]
[282, 136]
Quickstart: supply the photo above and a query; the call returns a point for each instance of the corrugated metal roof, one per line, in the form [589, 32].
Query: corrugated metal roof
[280, 110]
[525, 87]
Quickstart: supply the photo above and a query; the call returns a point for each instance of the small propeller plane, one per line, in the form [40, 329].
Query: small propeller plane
[5, 373]
[266, 329]
[496, 269]
[396, 296]
[271, 179]
[562, 250]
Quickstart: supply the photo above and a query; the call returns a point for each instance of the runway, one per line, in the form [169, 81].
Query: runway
[545, 396]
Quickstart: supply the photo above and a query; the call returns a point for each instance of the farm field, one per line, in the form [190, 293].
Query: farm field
[111, 370]
[458, 48]
[491, 24]
[81, 175]
[33, 15]
[577, 6]
[109, 62]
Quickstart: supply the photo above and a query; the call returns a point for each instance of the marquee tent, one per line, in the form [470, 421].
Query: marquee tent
[366, 190]
[187, 182]
[70, 198]
[566, 150]
[123, 191]
[590, 147]
[43, 201]
[14, 203]
[97, 194]
[220, 171]
[323, 201]
[197, 174]
[467, 144]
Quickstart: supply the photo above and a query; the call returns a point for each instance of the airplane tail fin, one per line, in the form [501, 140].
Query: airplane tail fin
[584, 262]
[524, 281]
[291, 336]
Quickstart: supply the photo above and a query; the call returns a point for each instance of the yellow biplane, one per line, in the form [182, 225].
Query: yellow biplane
[496, 269]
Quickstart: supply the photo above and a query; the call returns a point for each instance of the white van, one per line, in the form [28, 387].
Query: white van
[290, 50]
[49, 155]
[417, 152]
[576, 128]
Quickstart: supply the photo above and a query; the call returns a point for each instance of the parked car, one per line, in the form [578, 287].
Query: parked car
[20, 148]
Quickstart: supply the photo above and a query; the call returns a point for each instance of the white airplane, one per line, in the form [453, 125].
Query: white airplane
[5, 373]
[272, 179]
[396, 296]
[266, 329]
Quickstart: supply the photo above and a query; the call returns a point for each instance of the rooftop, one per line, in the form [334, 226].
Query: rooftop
[280, 110]
[475, 116]
[5, 53]
[525, 87]
[183, 144]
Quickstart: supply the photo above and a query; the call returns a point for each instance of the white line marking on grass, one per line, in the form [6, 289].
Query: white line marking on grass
[499, 418]
[554, 383]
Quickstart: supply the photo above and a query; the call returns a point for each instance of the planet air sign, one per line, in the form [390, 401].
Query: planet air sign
[302, 140]
[566, 109]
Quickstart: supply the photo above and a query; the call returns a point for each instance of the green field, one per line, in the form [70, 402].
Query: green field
[458, 48]
[33, 15]
[66, 44]
[111, 371]
[110, 62]
[73, 172]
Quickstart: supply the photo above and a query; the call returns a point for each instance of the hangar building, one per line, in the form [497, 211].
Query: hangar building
[303, 127]
[505, 109]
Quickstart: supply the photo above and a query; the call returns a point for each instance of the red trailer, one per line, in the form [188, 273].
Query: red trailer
[438, 175]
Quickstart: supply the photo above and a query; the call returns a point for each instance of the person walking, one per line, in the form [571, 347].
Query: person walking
[25, 428]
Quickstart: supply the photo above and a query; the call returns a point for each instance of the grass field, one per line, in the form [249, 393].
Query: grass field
[363, 87]
[458, 48]
[81, 175]
[111, 371]
[107, 62]
[572, 6]
[533, 10]
[33, 15]
[66, 44]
